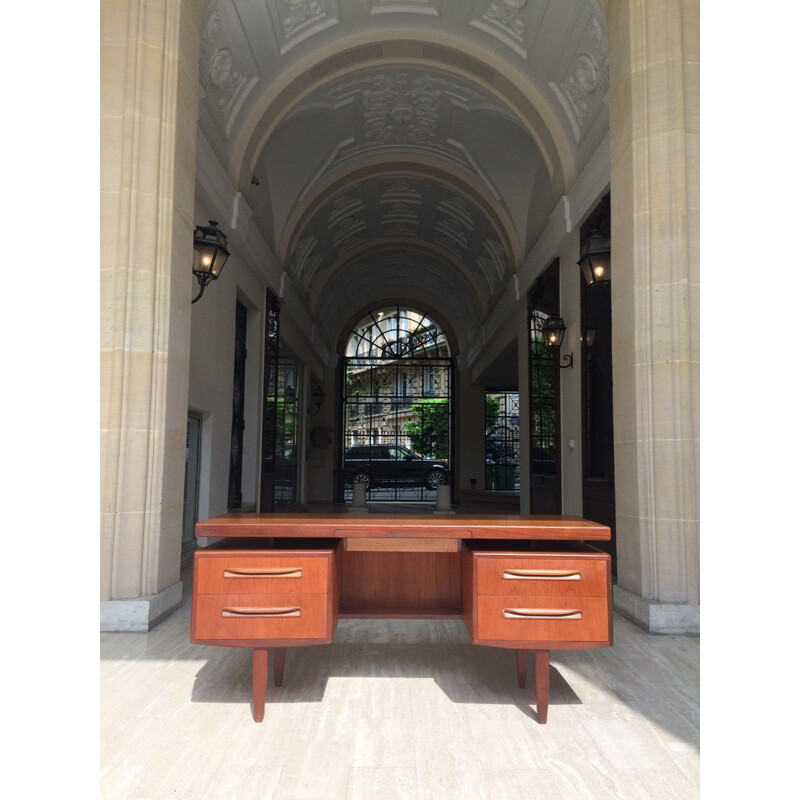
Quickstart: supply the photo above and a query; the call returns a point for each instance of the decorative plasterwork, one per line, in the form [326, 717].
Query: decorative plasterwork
[504, 20]
[401, 109]
[346, 224]
[506, 14]
[299, 13]
[423, 210]
[493, 264]
[307, 261]
[297, 20]
[418, 274]
[343, 207]
[431, 7]
[589, 73]
[401, 190]
[219, 76]
[454, 225]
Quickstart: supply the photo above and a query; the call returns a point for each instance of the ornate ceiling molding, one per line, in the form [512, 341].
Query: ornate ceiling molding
[361, 286]
[589, 72]
[434, 50]
[424, 251]
[353, 174]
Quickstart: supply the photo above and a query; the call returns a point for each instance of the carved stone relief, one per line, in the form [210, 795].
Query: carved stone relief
[458, 208]
[307, 261]
[400, 216]
[349, 233]
[590, 70]
[401, 109]
[506, 14]
[345, 205]
[452, 233]
[401, 190]
[493, 264]
[218, 73]
[298, 13]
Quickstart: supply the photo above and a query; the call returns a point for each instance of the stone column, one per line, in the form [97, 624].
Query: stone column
[654, 123]
[149, 68]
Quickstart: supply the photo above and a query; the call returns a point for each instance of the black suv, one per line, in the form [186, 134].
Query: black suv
[392, 464]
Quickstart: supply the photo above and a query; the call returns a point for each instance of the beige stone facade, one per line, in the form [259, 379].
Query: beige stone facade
[320, 135]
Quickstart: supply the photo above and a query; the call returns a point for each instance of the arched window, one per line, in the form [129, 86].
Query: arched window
[397, 332]
[397, 406]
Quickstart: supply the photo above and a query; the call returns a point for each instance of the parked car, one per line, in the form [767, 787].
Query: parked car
[392, 464]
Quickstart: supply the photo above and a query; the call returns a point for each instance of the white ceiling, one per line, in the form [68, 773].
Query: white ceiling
[412, 147]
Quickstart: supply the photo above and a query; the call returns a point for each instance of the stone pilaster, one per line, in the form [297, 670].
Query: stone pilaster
[654, 122]
[149, 57]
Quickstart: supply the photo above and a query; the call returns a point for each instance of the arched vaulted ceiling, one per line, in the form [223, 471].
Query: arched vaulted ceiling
[402, 147]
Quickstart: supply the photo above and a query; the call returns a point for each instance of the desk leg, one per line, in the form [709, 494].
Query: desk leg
[541, 673]
[522, 667]
[278, 661]
[260, 664]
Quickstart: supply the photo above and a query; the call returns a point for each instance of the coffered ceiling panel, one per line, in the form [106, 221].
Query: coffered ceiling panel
[384, 144]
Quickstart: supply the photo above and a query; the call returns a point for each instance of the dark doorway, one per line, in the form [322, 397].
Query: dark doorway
[545, 466]
[237, 423]
[191, 481]
[599, 502]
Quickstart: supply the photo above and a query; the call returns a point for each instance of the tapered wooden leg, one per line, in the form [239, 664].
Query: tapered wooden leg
[278, 661]
[541, 678]
[260, 665]
[522, 667]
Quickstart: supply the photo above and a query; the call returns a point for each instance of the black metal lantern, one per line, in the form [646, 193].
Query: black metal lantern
[210, 254]
[318, 397]
[595, 260]
[553, 329]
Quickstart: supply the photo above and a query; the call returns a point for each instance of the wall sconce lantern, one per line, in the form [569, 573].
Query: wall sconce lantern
[553, 329]
[595, 260]
[210, 254]
[289, 395]
[318, 397]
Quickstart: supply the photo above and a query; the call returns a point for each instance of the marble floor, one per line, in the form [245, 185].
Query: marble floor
[397, 709]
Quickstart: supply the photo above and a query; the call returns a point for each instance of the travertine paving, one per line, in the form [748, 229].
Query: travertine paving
[397, 709]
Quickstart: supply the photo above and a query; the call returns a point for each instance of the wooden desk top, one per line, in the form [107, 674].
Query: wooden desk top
[422, 526]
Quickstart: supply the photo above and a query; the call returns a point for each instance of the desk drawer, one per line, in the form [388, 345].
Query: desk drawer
[260, 573]
[542, 618]
[264, 616]
[550, 574]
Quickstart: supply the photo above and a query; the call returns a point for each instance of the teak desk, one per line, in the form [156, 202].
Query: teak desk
[274, 581]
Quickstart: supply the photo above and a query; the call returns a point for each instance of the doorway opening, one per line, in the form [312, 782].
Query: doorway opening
[191, 484]
[502, 441]
[281, 427]
[545, 469]
[397, 406]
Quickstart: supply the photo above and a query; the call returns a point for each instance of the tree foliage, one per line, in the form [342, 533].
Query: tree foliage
[429, 430]
[492, 412]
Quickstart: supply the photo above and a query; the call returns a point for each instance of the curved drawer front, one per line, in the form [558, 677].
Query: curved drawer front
[257, 573]
[542, 618]
[541, 575]
[266, 616]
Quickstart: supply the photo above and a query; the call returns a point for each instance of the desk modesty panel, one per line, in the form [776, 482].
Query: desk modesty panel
[273, 581]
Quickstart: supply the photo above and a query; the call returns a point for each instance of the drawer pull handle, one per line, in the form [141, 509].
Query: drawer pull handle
[541, 574]
[542, 613]
[240, 611]
[263, 572]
